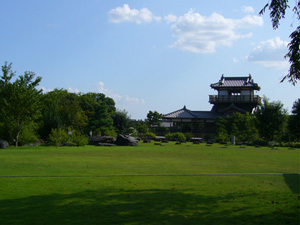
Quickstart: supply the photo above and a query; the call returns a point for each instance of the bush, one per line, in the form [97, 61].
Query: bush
[260, 142]
[58, 137]
[79, 139]
[176, 136]
[222, 137]
[188, 136]
[149, 135]
[28, 135]
[110, 132]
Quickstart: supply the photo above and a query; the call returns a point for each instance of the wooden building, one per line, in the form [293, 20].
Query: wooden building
[235, 94]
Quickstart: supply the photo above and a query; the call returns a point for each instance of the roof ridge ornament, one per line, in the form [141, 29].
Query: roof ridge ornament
[222, 80]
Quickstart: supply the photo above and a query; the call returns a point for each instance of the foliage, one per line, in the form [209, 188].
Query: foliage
[221, 137]
[153, 118]
[121, 120]
[141, 127]
[242, 126]
[277, 12]
[28, 134]
[188, 136]
[19, 101]
[294, 121]
[79, 139]
[271, 118]
[178, 136]
[59, 136]
[110, 132]
[149, 135]
[99, 109]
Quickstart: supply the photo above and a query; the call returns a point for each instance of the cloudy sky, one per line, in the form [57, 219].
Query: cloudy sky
[147, 55]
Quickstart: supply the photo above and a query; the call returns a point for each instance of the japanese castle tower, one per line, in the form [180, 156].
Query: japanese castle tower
[235, 94]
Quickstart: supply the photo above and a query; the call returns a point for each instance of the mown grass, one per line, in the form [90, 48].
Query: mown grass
[252, 199]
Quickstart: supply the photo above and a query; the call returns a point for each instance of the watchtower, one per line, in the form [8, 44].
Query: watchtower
[235, 94]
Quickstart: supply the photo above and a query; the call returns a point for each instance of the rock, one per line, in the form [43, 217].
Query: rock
[95, 140]
[106, 144]
[126, 140]
[3, 144]
[68, 144]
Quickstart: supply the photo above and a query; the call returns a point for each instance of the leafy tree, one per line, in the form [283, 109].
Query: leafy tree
[99, 110]
[271, 117]
[153, 118]
[121, 120]
[294, 121]
[242, 126]
[277, 12]
[62, 109]
[19, 100]
[221, 130]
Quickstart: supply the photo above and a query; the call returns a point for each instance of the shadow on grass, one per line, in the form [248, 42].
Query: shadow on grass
[293, 181]
[108, 206]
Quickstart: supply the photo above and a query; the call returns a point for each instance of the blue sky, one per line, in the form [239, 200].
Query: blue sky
[147, 55]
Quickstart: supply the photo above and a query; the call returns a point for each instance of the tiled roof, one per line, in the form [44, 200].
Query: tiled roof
[181, 113]
[235, 82]
[185, 113]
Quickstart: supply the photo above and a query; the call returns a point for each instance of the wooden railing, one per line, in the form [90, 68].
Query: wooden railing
[234, 99]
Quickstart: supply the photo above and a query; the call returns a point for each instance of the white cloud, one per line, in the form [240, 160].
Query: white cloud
[46, 90]
[116, 97]
[170, 18]
[270, 54]
[72, 90]
[201, 34]
[235, 60]
[248, 9]
[125, 13]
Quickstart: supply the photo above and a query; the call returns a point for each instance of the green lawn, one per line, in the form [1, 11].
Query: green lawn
[251, 199]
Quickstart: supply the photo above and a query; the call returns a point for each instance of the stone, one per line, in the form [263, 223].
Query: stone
[68, 144]
[95, 140]
[3, 144]
[106, 144]
[126, 140]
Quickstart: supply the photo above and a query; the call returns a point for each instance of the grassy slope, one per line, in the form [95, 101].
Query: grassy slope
[149, 200]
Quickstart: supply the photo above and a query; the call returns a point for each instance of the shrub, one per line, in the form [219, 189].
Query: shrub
[110, 132]
[58, 137]
[149, 135]
[222, 137]
[176, 136]
[28, 134]
[79, 139]
[188, 136]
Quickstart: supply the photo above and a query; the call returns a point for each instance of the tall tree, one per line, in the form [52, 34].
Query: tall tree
[271, 118]
[153, 118]
[277, 12]
[19, 100]
[294, 121]
[121, 120]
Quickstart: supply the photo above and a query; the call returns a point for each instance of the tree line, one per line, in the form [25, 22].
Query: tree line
[270, 123]
[26, 113]
[58, 116]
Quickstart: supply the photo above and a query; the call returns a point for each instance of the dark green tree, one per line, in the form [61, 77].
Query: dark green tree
[153, 118]
[99, 109]
[243, 126]
[121, 121]
[271, 119]
[294, 121]
[62, 109]
[19, 100]
[277, 12]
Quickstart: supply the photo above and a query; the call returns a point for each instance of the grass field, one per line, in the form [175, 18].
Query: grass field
[47, 197]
